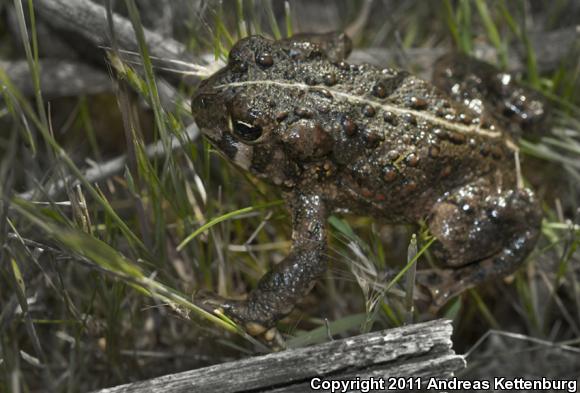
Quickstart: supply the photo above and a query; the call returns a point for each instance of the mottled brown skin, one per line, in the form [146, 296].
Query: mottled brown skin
[483, 88]
[354, 138]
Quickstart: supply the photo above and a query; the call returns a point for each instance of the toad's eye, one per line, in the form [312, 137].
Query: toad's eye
[247, 131]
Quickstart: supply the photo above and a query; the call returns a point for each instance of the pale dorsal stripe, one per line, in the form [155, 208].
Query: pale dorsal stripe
[428, 117]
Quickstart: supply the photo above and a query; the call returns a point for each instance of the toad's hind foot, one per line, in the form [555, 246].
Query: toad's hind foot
[444, 284]
[482, 234]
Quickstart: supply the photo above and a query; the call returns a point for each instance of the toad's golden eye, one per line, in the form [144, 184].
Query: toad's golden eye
[247, 131]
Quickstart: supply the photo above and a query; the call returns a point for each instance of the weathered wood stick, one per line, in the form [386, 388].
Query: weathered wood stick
[551, 49]
[58, 78]
[420, 350]
[106, 169]
[89, 20]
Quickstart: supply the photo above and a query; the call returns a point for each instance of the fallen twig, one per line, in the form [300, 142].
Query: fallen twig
[104, 170]
[421, 350]
[58, 78]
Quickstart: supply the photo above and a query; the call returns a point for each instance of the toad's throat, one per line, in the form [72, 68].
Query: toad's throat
[467, 129]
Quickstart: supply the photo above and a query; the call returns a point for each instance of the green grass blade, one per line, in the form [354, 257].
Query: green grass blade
[452, 22]
[241, 28]
[272, 19]
[113, 262]
[135, 240]
[225, 217]
[465, 21]
[288, 19]
[32, 60]
[492, 32]
[409, 265]
[484, 310]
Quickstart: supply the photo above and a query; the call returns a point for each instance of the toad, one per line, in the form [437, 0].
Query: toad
[338, 137]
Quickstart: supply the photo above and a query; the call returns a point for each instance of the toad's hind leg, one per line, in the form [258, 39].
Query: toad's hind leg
[480, 240]
[281, 288]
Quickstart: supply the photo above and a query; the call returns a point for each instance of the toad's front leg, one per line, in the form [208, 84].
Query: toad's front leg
[282, 287]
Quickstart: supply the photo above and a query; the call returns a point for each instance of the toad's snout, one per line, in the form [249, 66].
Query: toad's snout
[209, 114]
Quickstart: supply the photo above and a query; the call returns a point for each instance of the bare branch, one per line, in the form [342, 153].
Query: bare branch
[550, 48]
[90, 21]
[112, 167]
[420, 350]
[58, 78]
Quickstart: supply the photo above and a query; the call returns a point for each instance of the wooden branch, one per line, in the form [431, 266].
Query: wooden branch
[58, 78]
[550, 48]
[420, 350]
[65, 77]
[106, 169]
[554, 47]
[89, 20]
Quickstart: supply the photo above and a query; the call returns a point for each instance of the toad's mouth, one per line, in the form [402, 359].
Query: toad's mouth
[212, 135]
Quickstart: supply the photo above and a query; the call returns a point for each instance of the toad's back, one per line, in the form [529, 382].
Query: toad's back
[375, 141]
[400, 144]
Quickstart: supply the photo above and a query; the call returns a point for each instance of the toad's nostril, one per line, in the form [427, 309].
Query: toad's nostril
[509, 111]
[201, 102]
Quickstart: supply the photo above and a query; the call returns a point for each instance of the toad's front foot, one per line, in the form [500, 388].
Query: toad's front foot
[256, 324]
[290, 280]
